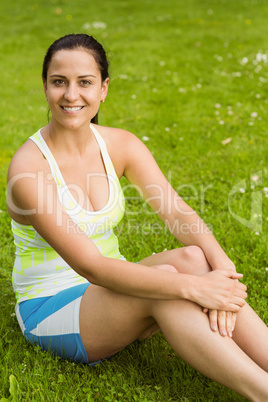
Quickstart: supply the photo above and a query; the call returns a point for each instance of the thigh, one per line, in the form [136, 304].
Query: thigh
[186, 260]
[110, 321]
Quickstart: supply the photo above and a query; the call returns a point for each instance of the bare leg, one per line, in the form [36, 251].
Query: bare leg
[110, 321]
[186, 260]
[219, 358]
[251, 334]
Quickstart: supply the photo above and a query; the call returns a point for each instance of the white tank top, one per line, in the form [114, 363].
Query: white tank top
[38, 270]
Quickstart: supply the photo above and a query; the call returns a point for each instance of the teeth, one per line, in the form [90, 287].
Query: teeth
[72, 109]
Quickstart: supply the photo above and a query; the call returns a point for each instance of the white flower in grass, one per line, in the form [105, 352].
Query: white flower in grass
[167, 129]
[182, 90]
[181, 139]
[221, 122]
[230, 112]
[99, 25]
[95, 25]
[261, 57]
[265, 189]
[255, 178]
[199, 85]
[154, 89]
[266, 269]
[239, 104]
[175, 125]
[258, 68]
[257, 233]
[254, 114]
[144, 138]
[133, 96]
[123, 76]
[217, 105]
[86, 26]
[162, 63]
[224, 142]
[236, 74]
[217, 112]
[250, 123]
[258, 96]
[242, 190]
[218, 57]
[244, 61]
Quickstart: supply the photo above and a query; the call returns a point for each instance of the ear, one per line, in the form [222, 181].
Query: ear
[45, 86]
[104, 88]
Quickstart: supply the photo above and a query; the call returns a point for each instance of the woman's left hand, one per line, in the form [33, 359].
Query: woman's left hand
[222, 321]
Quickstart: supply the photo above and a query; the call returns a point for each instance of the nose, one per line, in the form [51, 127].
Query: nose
[71, 93]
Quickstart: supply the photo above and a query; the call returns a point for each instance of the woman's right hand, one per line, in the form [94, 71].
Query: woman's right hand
[220, 290]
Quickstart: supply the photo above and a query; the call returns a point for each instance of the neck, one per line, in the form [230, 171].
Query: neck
[67, 141]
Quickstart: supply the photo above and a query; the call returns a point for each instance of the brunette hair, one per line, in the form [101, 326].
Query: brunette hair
[76, 41]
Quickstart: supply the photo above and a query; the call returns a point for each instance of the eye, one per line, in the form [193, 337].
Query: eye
[58, 82]
[85, 83]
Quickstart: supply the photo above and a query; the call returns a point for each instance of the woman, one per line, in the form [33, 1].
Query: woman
[76, 294]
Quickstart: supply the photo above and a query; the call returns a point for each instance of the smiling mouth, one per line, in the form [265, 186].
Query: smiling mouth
[72, 109]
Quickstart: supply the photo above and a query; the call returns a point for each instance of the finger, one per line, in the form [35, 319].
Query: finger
[240, 301]
[213, 321]
[205, 310]
[229, 323]
[239, 294]
[240, 286]
[235, 308]
[233, 274]
[222, 323]
[234, 317]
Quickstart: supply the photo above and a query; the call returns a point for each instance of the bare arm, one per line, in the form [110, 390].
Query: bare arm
[84, 257]
[182, 221]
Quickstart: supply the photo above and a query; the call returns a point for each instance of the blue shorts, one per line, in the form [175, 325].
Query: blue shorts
[53, 323]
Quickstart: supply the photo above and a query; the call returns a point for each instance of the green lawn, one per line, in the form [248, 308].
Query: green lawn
[190, 79]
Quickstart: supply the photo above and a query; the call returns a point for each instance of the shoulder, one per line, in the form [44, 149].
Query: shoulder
[28, 158]
[123, 147]
[112, 135]
[23, 179]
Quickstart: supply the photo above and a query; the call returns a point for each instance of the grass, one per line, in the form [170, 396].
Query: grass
[191, 77]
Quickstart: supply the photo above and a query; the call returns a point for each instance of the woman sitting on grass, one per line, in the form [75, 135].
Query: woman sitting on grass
[76, 294]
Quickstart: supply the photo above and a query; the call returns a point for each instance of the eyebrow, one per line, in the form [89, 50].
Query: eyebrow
[80, 76]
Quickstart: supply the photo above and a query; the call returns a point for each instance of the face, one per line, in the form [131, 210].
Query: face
[74, 88]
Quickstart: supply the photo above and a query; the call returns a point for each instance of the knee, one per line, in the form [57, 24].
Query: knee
[195, 256]
[166, 267]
